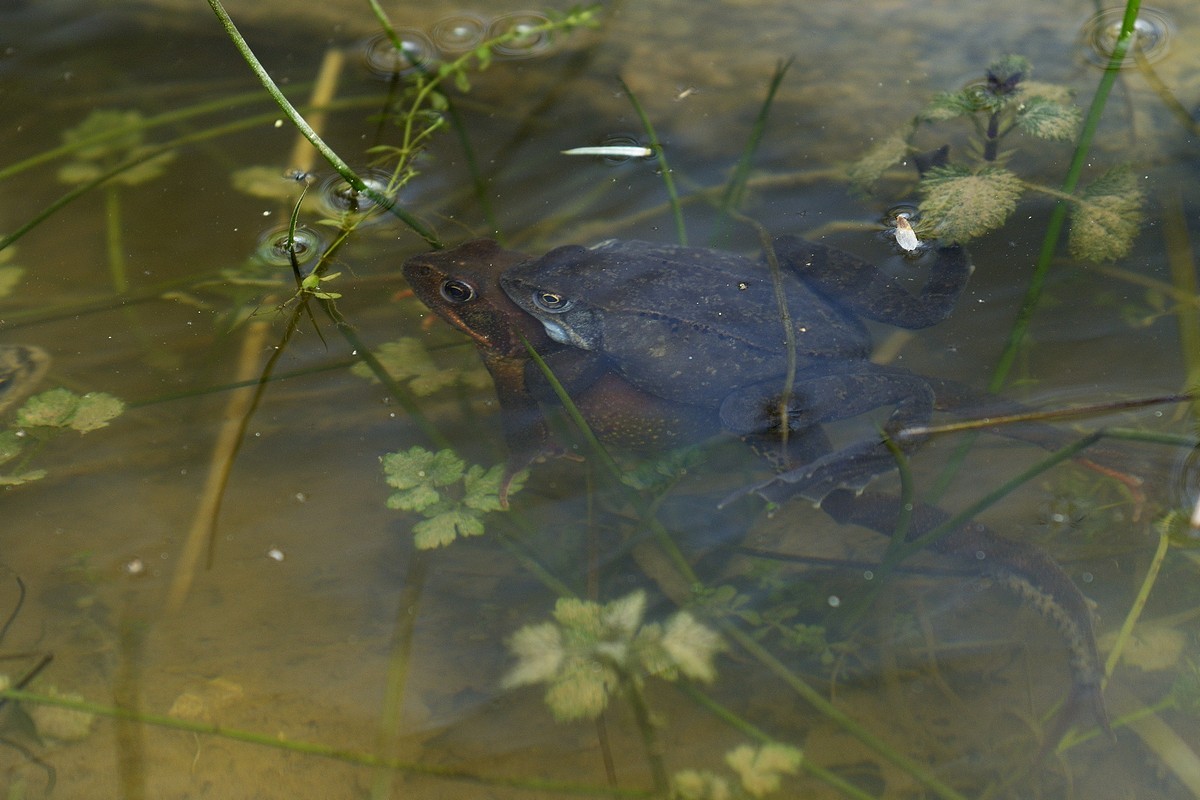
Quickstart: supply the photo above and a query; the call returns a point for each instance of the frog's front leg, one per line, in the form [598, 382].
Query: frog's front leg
[827, 394]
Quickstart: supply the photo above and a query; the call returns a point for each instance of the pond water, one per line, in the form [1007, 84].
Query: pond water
[217, 557]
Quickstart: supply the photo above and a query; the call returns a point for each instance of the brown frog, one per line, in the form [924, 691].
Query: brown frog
[463, 286]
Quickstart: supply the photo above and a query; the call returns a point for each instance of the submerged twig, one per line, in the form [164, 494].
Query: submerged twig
[1041, 415]
[239, 408]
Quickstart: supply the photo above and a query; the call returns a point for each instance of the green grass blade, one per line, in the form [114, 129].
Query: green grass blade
[663, 167]
[335, 161]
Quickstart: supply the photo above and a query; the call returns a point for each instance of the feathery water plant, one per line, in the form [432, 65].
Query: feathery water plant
[964, 200]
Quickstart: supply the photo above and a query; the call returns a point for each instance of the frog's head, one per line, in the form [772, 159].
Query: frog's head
[462, 286]
[566, 316]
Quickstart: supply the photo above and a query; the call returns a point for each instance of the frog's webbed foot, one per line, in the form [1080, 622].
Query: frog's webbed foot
[851, 468]
[1023, 569]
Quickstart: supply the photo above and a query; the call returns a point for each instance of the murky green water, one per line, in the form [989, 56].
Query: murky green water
[292, 614]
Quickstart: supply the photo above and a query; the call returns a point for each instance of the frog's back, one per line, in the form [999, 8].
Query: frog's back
[693, 323]
[723, 294]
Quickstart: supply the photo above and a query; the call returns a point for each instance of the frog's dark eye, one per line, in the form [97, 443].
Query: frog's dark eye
[458, 291]
[551, 301]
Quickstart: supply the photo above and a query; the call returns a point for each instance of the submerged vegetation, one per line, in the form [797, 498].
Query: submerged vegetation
[962, 201]
[747, 638]
[43, 418]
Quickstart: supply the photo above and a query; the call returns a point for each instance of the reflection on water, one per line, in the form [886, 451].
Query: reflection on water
[308, 616]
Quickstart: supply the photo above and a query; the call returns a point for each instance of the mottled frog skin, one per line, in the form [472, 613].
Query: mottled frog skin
[701, 326]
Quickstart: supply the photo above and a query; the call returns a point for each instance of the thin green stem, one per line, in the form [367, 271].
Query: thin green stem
[663, 167]
[785, 320]
[1139, 604]
[907, 496]
[735, 721]
[643, 509]
[341, 167]
[388, 735]
[398, 391]
[735, 190]
[389, 30]
[851, 726]
[112, 239]
[276, 742]
[216, 106]
[149, 153]
[650, 742]
[989, 500]
[1058, 216]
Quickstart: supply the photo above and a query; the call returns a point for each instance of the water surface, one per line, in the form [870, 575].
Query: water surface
[310, 595]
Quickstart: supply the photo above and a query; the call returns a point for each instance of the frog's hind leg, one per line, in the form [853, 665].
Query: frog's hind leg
[1023, 569]
[827, 394]
[860, 287]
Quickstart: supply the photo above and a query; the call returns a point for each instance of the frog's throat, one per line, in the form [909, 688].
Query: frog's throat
[564, 335]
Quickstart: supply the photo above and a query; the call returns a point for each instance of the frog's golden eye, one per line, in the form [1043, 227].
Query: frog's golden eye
[458, 291]
[551, 301]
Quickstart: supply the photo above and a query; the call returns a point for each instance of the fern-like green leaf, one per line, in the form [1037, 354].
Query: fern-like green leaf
[886, 153]
[949, 105]
[96, 410]
[441, 530]
[11, 445]
[414, 498]
[418, 466]
[1049, 119]
[406, 359]
[961, 204]
[1106, 219]
[52, 409]
[482, 487]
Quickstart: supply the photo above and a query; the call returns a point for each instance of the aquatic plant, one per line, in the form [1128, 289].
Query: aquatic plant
[452, 497]
[961, 201]
[101, 144]
[591, 650]
[407, 359]
[759, 769]
[10, 274]
[42, 418]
